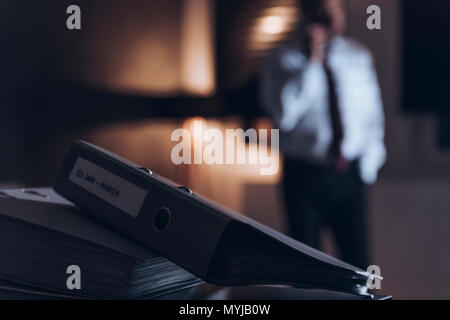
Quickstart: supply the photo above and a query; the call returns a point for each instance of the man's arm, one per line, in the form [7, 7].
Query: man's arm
[374, 155]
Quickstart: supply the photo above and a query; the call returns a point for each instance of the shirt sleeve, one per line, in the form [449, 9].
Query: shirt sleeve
[290, 86]
[374, 153]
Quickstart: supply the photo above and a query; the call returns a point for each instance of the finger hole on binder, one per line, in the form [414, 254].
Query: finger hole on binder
[162, 219]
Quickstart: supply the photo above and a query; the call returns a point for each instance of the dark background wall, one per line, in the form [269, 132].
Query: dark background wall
[125, 63]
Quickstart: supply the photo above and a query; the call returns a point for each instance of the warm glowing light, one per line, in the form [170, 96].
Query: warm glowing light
[273, 24]
[197, 74]
[196, 131]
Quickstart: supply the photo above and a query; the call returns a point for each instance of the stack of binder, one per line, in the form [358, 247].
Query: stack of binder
[42, 234]
[137, 235]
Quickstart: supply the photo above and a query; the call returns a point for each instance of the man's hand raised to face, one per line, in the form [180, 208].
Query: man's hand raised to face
[317, 37]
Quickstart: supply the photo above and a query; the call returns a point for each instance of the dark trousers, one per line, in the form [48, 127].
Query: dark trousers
[320, 196]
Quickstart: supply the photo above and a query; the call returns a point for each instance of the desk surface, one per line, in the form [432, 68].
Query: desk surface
[209, 292]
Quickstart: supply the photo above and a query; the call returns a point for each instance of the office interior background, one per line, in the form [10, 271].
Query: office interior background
[137, 70]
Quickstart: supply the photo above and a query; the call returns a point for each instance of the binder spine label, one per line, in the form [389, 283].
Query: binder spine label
[108, 186]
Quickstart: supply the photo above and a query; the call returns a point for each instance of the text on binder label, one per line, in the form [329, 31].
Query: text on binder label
[108, 186]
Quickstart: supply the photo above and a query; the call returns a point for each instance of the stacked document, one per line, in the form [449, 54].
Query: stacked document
[51, 249]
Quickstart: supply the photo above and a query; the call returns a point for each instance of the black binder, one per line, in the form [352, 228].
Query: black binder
[218, 245]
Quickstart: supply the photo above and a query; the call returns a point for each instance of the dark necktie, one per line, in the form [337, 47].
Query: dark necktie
[339, 162]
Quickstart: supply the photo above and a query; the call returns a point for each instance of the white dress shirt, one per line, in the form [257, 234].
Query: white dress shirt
[295, 94]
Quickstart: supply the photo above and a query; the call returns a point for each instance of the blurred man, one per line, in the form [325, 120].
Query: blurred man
[321, 90]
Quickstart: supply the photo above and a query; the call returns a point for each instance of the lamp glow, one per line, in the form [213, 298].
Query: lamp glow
[273, 24]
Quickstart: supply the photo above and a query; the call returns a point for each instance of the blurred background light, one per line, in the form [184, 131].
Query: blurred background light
[197, 54]
[277, 20]
[272, 24]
